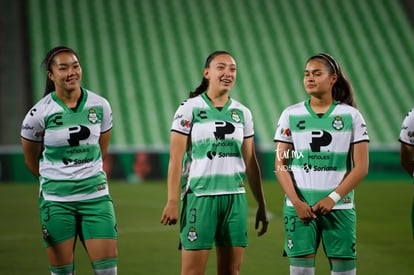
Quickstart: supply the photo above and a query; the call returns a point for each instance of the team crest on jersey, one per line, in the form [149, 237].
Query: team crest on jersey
[45, 232]
[235, 116]
[192, 234]
[92, 116]
[290, 242]
[337, 123]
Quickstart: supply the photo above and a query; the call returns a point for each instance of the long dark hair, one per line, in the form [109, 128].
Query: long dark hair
[48, 61]
[204, 82]
[342, 90]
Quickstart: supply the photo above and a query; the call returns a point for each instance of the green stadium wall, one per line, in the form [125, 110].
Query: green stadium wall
[146, 55]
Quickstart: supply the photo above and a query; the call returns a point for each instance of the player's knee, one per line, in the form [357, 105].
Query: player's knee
[303, 266]
[62, 270]
[106, 266]
[343, 267]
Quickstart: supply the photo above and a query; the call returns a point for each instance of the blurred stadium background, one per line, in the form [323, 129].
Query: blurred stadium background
[146, 55]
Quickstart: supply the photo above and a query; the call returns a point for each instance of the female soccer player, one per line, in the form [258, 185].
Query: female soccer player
[65, 138]
[220, 153]
[321, 156]
[407, 151]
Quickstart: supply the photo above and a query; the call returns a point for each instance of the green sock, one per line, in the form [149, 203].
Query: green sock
[68, 269]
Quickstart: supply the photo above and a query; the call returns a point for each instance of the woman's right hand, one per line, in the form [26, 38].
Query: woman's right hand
[170, 214]
[305, 212]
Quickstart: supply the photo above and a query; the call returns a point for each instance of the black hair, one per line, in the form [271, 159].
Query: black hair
[342, 90]
[48, 61]
[204, 82]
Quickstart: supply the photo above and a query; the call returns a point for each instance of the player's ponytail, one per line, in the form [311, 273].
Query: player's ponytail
[204, 82]
[342, 90]
[201, 88]
[47, 63]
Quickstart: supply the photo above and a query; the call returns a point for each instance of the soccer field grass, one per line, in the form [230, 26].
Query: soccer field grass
[385, 244]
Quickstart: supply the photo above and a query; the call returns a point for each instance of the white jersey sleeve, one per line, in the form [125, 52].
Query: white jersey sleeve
[107, 116]
[283, 132]
[33, 126]
[183, 118]
[407, 129]
[249, 125]
[359, 131]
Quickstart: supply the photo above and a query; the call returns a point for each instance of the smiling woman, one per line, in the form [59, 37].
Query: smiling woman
[65, 137]
[211, 153]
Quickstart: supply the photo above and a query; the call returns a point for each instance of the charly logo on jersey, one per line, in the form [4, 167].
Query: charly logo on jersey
[56, 119]
[33, 111]
[301, 125]
[92, 116]
[338, 123]
[364, 126]
[202, 114]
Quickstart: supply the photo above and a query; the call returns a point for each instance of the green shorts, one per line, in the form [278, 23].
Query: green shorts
[337, 230]
[87, 219]
[207, 219]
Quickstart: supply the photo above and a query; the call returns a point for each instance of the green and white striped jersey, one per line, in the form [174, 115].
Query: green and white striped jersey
[71, 163]
[407, 129]
[321, 155]
[217, 166]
